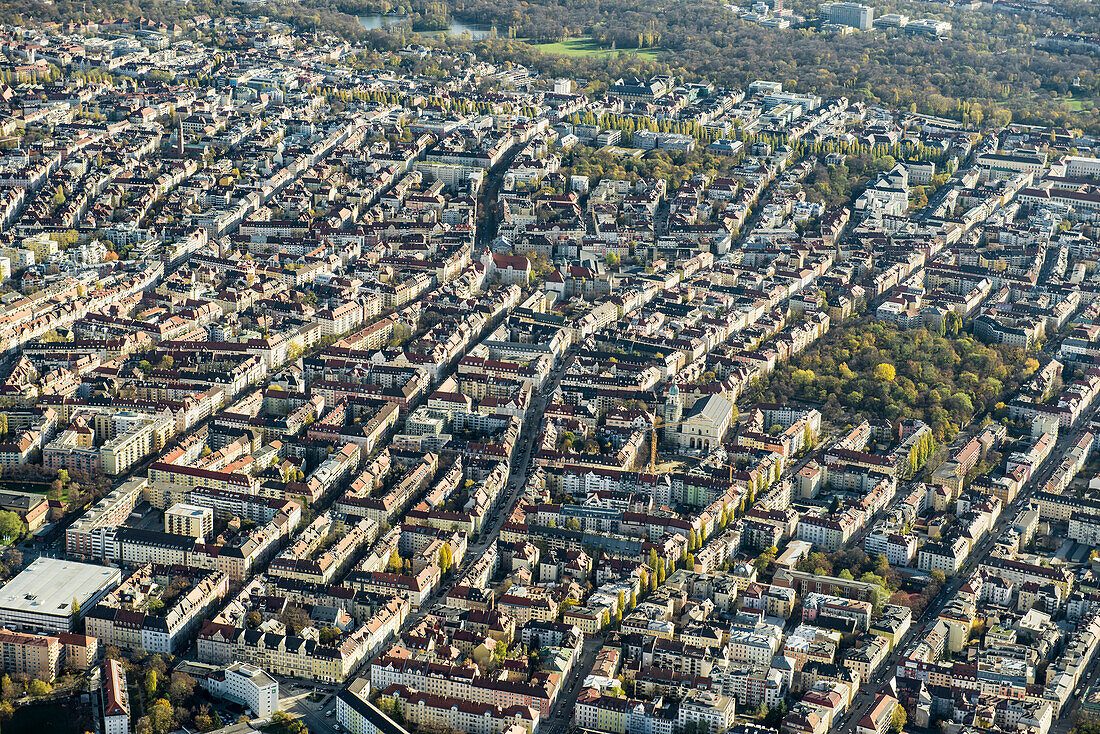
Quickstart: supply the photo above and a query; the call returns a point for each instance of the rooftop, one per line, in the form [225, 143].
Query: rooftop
[48, 586]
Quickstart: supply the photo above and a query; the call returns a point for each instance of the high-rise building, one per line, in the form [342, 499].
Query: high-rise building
[853, 15]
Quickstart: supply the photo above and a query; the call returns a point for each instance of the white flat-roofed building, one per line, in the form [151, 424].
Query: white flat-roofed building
[247, 685]
[853, 15]
[183, 519]
[41, 597]
[1082, 167]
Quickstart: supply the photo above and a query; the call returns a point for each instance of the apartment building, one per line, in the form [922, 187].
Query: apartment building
[357, 715]
[428, 711]
[115, 699]
[191, 520]
[92, 535]
[38, 656]
[126, 449]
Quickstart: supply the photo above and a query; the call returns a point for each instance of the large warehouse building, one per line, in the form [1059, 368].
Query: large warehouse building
[41, 597]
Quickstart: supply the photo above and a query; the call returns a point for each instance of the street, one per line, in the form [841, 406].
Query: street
[517, 479]
[294, 700]
[561, 716]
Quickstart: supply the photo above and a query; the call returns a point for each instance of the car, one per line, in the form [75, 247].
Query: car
[330, 713]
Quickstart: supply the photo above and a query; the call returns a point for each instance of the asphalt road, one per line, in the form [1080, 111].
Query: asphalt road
[561, 717]
[294, 700]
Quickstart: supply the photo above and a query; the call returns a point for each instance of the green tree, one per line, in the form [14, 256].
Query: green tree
[11, 526]
[38, 688]
[8, 688]
[151, 685]
[161, 716]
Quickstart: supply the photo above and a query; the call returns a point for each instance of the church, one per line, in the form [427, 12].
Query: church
[702, 427]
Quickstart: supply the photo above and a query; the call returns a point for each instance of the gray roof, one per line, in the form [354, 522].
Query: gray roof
[713, 408]
[48, 586]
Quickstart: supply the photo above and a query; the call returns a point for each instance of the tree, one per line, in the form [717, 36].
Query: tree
[882, 566]
[38, 688]
[885, 372]
[151, 685]
[161, 716]
[897, 719]
[11, 526]
[295, 619]
[879, 597]
[180, 688]
[8, 688]
[445, 558]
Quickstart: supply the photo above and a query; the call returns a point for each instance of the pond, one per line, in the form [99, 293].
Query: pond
[455, 28]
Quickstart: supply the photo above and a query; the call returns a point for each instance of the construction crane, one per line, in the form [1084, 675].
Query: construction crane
[657, 423]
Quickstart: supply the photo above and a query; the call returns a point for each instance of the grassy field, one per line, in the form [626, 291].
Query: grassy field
[1071, 104]
[585, 46]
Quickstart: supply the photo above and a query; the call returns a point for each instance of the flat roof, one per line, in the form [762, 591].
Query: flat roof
[183, 509]
[48, 586]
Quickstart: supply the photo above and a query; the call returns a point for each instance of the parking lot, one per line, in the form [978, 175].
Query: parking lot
[315, 705]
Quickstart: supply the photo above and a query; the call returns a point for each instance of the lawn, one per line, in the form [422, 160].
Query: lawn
[585, 46]
[1071, 104]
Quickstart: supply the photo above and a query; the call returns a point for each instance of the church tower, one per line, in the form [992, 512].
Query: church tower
[673, 410]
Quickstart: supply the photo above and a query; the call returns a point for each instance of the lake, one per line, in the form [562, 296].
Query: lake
[456, 28]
